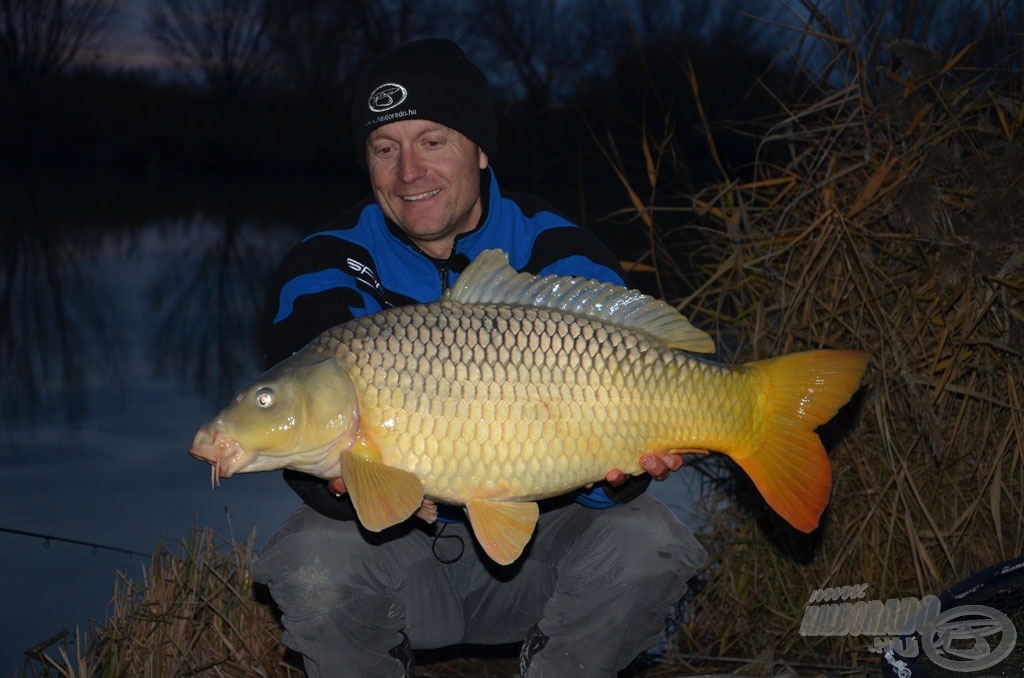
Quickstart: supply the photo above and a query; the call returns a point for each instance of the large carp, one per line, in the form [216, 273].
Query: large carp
[512, 388]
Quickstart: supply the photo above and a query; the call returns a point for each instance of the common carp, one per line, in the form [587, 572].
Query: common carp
[512, 388]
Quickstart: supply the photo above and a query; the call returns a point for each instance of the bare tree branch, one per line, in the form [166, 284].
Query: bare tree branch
[387, 23]
[39, 38]
[538, 39]
[312, 41]
[225, 40]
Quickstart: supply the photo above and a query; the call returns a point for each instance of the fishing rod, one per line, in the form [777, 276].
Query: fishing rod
[47, 538]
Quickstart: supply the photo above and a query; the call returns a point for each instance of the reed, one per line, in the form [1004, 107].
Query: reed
[883, 213]
[192, 611]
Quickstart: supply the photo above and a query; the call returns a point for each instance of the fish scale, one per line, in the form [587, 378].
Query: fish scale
[515, 387]
[581, 397]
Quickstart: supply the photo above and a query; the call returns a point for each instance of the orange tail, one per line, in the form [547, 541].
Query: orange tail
[787, 462]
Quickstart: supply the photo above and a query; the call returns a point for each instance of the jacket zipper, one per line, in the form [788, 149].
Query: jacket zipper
[444, 265]
[442, 269]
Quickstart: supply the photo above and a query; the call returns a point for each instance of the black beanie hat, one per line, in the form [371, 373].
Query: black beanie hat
[429, 79]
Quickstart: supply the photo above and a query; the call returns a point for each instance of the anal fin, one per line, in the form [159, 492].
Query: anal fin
[382, 495]
[503, 528]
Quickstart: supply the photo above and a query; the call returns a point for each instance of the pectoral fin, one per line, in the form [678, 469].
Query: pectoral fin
[503, 528]
[382, 495]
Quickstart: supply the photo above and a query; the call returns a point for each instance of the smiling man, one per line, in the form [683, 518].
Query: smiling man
[426, 179]
[605, 566]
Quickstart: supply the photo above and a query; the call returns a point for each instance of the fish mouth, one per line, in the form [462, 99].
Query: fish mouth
[220, 450]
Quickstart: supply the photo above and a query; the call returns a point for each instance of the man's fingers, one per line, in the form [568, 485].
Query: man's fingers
[615, 477]
[655, 466]
[660, 467]
[427, 511]
[337, 487]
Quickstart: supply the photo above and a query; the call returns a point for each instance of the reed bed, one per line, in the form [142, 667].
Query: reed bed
[191, 612]
[885, 214]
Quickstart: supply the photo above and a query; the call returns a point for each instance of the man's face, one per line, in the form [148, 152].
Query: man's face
[426, 178]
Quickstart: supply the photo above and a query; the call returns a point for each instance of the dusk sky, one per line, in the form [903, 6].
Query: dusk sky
[130, 45]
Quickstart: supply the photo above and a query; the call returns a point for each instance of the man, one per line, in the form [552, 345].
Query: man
[604, 567]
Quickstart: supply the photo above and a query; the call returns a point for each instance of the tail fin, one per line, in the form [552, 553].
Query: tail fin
[787, 463]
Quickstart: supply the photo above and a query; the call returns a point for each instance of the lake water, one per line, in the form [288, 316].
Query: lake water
[127, 318]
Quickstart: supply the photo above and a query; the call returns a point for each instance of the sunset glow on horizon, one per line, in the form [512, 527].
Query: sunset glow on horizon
[128, 44]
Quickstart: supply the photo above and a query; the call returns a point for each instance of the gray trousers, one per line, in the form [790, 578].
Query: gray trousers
[597, 583]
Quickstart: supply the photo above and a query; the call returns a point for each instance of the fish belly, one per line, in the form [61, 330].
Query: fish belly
[522, 403]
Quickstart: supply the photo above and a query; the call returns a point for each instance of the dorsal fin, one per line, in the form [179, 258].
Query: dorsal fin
[489, 279]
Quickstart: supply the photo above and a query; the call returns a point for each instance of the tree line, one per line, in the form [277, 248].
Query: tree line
[265, 85]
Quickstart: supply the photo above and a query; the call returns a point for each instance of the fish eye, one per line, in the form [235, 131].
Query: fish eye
[264, 397]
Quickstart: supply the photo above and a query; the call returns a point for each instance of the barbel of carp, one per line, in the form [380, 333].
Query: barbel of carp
[512, 388]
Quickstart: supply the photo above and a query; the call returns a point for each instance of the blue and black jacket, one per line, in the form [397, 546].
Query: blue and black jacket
[368, 264]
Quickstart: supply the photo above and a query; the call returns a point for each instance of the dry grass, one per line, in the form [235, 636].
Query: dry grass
[192, 613]
[886, 215]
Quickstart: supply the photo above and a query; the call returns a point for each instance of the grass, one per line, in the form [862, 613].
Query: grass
[192, 612]
[884, 214]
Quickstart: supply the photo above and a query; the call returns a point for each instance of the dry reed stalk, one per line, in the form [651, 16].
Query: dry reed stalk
[192, 613]
[890, 221]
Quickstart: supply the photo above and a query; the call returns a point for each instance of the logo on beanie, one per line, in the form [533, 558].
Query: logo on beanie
[386, 97]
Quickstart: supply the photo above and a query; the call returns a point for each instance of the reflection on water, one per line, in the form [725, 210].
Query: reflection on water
[72, 282]
[65, 304]
[206, 300]
[54, 322]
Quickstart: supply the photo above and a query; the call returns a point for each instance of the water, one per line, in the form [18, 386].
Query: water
[127, 319]
[119, 334]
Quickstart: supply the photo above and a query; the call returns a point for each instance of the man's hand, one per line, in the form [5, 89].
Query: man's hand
[657, 467]
[427, 511]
